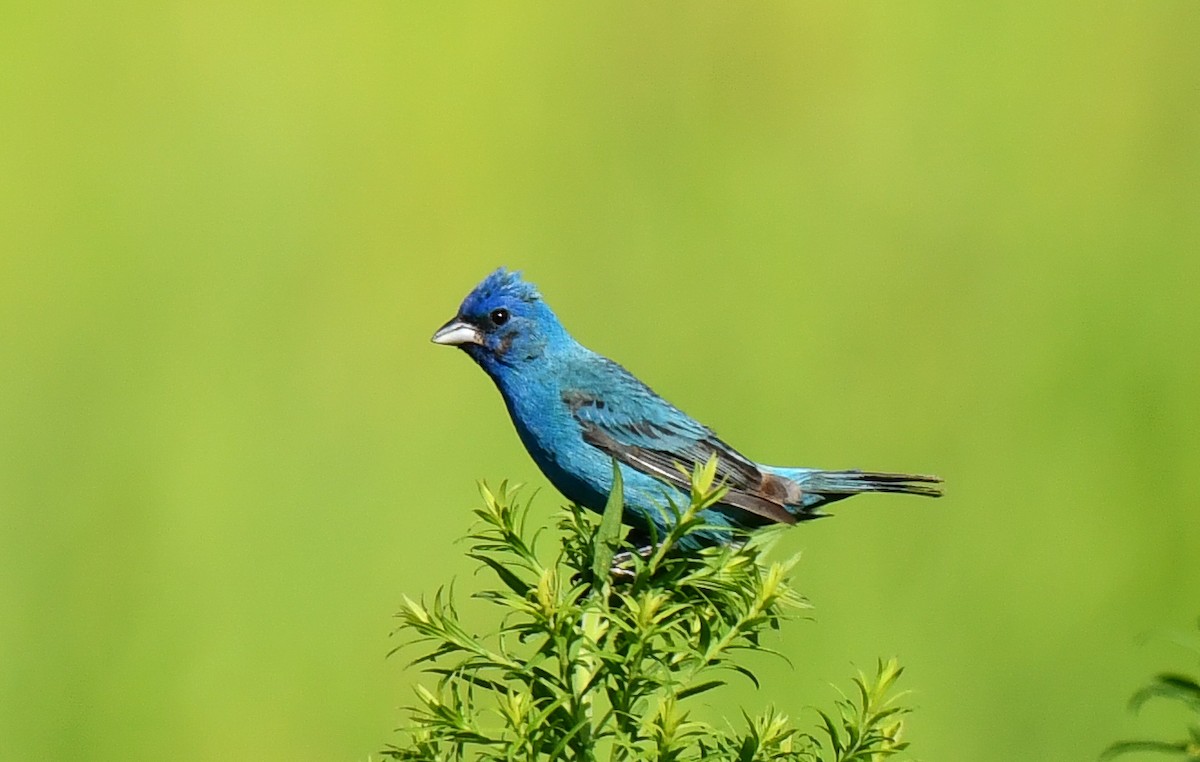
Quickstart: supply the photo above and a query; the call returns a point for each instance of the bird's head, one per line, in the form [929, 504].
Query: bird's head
[502, 322]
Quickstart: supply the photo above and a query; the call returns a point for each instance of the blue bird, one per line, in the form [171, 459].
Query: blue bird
[575, 411]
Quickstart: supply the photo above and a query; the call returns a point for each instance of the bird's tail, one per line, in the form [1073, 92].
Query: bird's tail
[819, 487]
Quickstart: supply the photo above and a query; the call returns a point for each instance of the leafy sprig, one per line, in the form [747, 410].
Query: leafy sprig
[593, 662]
[1173, 687]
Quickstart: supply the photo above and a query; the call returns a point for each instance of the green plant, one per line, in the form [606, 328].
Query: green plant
[586, 664]
[1181, 689]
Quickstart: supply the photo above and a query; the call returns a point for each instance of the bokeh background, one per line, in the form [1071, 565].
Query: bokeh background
[941, 237]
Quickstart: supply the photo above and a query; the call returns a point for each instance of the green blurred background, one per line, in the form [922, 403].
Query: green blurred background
[936, 237]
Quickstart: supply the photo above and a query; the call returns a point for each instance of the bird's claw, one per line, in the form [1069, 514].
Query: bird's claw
[620, 562]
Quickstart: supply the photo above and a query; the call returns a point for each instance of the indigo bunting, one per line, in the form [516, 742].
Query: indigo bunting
[575, 411]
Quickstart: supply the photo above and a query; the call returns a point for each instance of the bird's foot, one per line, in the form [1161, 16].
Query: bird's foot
[620, 563]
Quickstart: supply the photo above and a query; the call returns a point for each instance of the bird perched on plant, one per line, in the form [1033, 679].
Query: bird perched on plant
[575, 411]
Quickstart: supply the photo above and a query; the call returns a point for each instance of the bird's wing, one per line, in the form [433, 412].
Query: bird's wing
[645, 432]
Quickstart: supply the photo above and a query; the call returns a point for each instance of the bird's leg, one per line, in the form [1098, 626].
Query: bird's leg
[624, 557]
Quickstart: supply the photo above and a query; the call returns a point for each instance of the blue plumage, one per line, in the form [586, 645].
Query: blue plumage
[575, 411]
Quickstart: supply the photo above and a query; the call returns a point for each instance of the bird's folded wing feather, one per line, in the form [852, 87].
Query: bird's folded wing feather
[645, 432]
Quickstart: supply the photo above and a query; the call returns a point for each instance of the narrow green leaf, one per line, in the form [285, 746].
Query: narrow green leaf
[698, 689]
[468, 677]
[1130, 747]
[608, 536]
[1169, 686]
[567, 738]
[510, 580]
[743, 670]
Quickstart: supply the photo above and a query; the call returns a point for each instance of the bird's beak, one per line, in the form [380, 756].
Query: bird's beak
[456, 333]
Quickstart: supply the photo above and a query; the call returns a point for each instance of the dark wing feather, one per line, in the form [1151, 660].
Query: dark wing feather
[645, 432]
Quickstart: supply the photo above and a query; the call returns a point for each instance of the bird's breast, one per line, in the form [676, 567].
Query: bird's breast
[554, 440]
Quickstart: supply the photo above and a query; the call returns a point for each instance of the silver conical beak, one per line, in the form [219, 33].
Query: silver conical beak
[456, 333]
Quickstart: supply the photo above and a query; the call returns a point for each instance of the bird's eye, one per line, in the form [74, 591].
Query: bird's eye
[499, 317]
